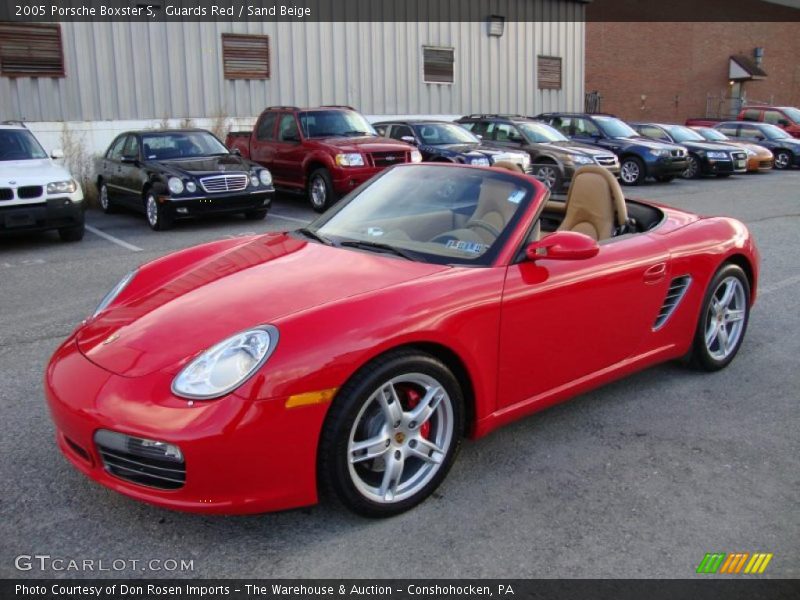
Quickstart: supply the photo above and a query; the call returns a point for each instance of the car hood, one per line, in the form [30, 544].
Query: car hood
[710, 146]
[201, 165]
[648, 143]
[364, 144]
[568, 147]
[37, 171]
[164, 324]
[759, 150]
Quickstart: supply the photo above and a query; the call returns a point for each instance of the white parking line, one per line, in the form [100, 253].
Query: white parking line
[286, 218]
[113, 240]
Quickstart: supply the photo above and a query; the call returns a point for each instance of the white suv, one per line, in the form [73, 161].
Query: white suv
[36, 194]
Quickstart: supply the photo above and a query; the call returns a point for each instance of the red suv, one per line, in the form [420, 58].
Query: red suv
[325, 152]
[786, 117]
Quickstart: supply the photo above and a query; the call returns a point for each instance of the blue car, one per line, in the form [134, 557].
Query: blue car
[639, 157]
[443, 141]
[785, 148]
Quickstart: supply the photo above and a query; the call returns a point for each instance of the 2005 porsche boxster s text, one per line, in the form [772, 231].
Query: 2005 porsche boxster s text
[352, 356]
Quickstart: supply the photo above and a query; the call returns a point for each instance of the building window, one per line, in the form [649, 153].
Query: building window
[549, 68]
[245, 56]
[28, 50]
[437, 64]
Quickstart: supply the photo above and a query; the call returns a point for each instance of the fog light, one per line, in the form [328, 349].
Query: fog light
[138, 446]
[182, 210]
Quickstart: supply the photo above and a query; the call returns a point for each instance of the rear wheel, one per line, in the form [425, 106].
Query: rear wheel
[105, 202]
[631, 170]
[320, 190]
[723, 320]
[783, 159]
[392, 434]
[157, 216]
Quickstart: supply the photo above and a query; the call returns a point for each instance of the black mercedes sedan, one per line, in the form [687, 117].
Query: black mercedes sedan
[178, 173]
[443, 141]
[705, 157]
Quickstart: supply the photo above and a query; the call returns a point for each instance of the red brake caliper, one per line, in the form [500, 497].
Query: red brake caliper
[414, 397]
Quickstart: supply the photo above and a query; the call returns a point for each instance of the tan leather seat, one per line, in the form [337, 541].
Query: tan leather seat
[595, 204]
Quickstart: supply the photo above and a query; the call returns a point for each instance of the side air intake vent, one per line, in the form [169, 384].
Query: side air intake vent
[677, 289]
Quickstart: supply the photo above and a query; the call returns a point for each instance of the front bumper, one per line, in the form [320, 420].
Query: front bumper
[666, 165]
[760, 163]
[214, 204]
[241, 455]
[52, 213]
[716, 166]
[346, 179]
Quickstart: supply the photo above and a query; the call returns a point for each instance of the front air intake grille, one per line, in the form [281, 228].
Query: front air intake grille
[387, 159]
[224, 183]
[677, 289]
[6, 194]
[606, 161]
[146, 462]
[29, 191]
[678, 153]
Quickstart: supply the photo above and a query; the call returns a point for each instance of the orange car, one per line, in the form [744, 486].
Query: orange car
[758, 157]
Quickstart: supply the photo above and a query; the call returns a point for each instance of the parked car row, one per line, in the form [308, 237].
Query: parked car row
[328, 151]
[785, 117]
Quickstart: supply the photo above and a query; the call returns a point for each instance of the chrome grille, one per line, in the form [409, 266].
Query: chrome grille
[224, 183]
[606, 161]
[387, 159]
[677, 289]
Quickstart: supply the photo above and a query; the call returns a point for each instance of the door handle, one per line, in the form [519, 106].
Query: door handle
[655, 273]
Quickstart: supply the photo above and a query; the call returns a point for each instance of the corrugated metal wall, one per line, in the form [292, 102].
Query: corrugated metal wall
[128, 70]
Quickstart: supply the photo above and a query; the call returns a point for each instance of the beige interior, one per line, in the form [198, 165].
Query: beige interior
[595, 204]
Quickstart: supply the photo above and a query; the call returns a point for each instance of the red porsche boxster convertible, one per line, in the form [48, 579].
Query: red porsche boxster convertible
[352, 356]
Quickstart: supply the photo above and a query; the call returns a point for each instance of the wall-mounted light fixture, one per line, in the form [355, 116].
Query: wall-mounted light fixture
[496, 25]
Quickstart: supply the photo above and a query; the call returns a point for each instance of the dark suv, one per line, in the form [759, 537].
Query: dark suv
[639, 157]
[443, 141]
[554, 158]
[325, 152]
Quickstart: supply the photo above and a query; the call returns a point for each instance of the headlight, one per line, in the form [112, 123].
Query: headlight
[659, 152]
[115, 291]
[416, 156]
[62, 187]
[717, 155]
[224, 367]
[526, 161]
[582, 160]
[481, 161]
[254, 180]
[350, 160]
[191, 187]
[175, 185]
[265, 177]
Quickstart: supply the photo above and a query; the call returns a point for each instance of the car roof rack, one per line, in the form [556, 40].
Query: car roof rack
[337, 106]
[282, 107]
[15, 122]
[495, 116]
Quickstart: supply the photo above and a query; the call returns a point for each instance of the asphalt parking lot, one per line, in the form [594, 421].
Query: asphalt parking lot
[638, 479]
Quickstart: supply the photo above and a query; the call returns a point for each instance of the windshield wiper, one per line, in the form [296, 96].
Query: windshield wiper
[367, 245]
[354, 132]
[314, 236]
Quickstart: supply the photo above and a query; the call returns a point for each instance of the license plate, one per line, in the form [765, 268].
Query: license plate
[21, 220]
[740, 164]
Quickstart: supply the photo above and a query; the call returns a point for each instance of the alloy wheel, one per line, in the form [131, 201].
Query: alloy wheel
[104, 197]
[319, 192]
[547, 175]
[725, 319]
[691, 169]
[629, 171]
[152, 211]
[400, 438]
[782, 160]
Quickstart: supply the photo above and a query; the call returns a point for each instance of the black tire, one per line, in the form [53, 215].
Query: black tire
[351, 403]
[106, 203]
[724, 175]
[701, 356]
[319, 191]
[157, 218]
[783, 159]
[256, 215]
[632, 171]
[72, 234]
[694, 169]
[665, 178]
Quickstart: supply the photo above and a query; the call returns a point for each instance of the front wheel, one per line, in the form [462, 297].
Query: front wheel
[320, 190]
[157, 216]
[692, 168]
[549, 175]
[723, 320]
[632, 171]
[783, 159]
[392, 434]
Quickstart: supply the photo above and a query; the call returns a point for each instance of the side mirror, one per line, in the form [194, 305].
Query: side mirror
[760, 138]
[57, 153]
[236, 152]
[479, 136]
[129, 159]
[409, 139]
[563, 245]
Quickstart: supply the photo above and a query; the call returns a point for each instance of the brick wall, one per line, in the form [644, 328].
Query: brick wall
[676, 65]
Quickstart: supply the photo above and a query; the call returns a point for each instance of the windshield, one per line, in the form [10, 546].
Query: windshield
[792, 113]
[433, 213]
[773, 132]
[444, 133]
[613, 127]
[540, 133]
[19, 144]
[332, 123]
[180, 144]
[713, 135]
[679, 133]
